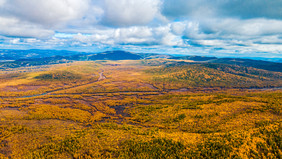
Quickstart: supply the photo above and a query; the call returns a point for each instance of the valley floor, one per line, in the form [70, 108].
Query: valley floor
[137, 110]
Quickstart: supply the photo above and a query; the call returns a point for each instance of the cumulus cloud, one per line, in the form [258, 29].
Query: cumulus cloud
[135, 35]
[44, 12]
[271, 39]
[178, 28]
[221, 26]
[17, 28]
[74, 15]
[129, 12]
[249, 27]
[38, 18]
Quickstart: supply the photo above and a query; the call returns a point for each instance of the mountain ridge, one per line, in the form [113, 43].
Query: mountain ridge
[124, 55]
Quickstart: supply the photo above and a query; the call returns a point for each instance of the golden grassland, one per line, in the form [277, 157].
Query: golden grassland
[134, 113]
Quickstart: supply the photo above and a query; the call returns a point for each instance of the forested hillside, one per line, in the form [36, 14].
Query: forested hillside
[214, 75]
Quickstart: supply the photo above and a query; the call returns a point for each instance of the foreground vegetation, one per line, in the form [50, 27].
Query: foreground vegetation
[143, 109]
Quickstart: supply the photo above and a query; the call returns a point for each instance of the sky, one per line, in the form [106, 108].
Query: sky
[238, 28]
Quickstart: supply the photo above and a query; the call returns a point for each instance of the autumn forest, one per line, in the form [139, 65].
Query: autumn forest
[144, 108]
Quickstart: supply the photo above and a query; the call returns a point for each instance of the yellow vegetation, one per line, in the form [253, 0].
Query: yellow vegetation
[134, 113]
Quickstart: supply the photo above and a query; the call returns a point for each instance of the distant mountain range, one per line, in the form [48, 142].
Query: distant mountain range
[194, 58]
[42, 57]
[114, 55]
[266, 65]
[7, 54]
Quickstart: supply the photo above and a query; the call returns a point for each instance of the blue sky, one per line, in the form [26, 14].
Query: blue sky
[238, 28]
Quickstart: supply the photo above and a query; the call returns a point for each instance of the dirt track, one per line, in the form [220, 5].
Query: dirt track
[101, 76]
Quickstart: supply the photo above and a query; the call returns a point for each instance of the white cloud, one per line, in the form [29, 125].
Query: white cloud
[132, 35]
[135, 35]
[212, 42]
[46, 12]
[31, 40]
[272, 39]
[178, 28]
[2, 2]
[251, 27]
[189, 29]
[209, 26]
[15, 27]
[129, 12]
[15, 41]
[170, 39]
[268, 47]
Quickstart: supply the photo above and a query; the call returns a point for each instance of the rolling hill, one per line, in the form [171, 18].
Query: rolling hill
[123, 55]
[194, 58]
[260, 64]
[114, 55]
[214, 75]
